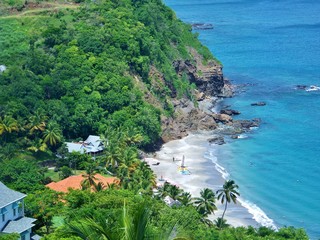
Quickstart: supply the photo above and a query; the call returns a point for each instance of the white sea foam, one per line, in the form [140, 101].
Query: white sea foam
[257, 213]
[241, 136]
[222, 170]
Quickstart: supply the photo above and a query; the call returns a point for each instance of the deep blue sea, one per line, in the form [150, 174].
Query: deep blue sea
[272, 46]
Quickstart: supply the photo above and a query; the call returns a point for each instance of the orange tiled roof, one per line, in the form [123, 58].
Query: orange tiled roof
[74, 182]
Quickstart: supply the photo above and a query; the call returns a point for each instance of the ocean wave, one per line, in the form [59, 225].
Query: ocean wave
[258, 214]
[222, 170]
[241, 136]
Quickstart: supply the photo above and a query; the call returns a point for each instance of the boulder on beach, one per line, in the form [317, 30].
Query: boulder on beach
[258, 104]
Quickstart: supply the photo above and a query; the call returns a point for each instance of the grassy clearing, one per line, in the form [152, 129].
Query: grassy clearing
[36, 12]
[55, 176]
[17, 30]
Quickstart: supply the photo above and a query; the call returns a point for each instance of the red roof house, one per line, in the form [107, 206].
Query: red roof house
[74, 182]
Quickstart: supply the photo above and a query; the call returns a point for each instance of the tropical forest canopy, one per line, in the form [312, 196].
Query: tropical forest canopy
[71, 69]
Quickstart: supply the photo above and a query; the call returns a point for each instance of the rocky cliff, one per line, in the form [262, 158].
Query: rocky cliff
[191, 116]
[207, 77]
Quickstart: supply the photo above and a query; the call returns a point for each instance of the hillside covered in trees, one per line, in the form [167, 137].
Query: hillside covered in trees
[70, 69]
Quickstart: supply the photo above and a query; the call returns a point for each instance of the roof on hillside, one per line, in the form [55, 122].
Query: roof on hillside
[92, 144]
[8, 195]
[95, 141]
[74, 182]
[2, 68]
[19, 226]
[75, 147]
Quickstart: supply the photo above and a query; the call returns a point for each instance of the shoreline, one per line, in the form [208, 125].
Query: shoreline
[205, 172]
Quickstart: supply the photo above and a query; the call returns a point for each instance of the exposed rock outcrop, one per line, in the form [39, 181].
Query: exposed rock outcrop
[229, 112]
[258, 104]
[246, 124]
[186, 118]
[209, 81]
[216, 139]
[201, 26]
[207, 77]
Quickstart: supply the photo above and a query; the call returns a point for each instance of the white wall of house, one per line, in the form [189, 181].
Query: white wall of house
[12, 212]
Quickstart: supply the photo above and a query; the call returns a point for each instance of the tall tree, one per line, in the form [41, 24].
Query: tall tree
[43, 205]
[89, 178]
[52, 134]
[37, 122]
[7, 125]
[227, 194]
[205, 204]
[185, 199]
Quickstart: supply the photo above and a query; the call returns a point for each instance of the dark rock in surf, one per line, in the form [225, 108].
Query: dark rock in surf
[258, 104]
[229, 112]
[246, 124]
[201, 26]
[219, 140]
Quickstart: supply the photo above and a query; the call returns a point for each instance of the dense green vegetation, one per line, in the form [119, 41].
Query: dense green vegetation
[75, 71]
[89, 68]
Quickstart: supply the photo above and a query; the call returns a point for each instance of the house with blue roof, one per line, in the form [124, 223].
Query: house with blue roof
[92, 145]
[12, 219]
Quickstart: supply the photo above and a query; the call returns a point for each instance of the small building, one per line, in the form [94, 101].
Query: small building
[92, 145]
[74, 182]
[171, 202]
[12, 219]
[2, 68]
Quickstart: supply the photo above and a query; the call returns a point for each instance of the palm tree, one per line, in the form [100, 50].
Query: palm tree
[113, 153]
[133, 227]
[7, 125]
[38, 145]
[136, 226]
[98, 187]
[164, 190]
[52, 134]
[89, 178]
[129, 156]
[227, 193]
[205, 204]
[131, 136]
[174, 192]
[185, 198]
[37, 122]
[90, 229]
[221, 223]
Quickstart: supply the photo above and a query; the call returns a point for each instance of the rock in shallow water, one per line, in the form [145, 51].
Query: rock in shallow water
[258, 104]
[229, 112]
[219, 140]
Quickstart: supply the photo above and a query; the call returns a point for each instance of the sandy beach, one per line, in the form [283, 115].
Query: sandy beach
[203, 173]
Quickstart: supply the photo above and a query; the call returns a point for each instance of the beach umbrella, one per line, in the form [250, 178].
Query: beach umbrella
[182, 162]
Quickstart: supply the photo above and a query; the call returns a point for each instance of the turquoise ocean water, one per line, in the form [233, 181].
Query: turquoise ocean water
[272, 46]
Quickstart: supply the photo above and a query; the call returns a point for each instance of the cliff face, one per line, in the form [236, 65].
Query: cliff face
[210, 83]
[207, 77]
